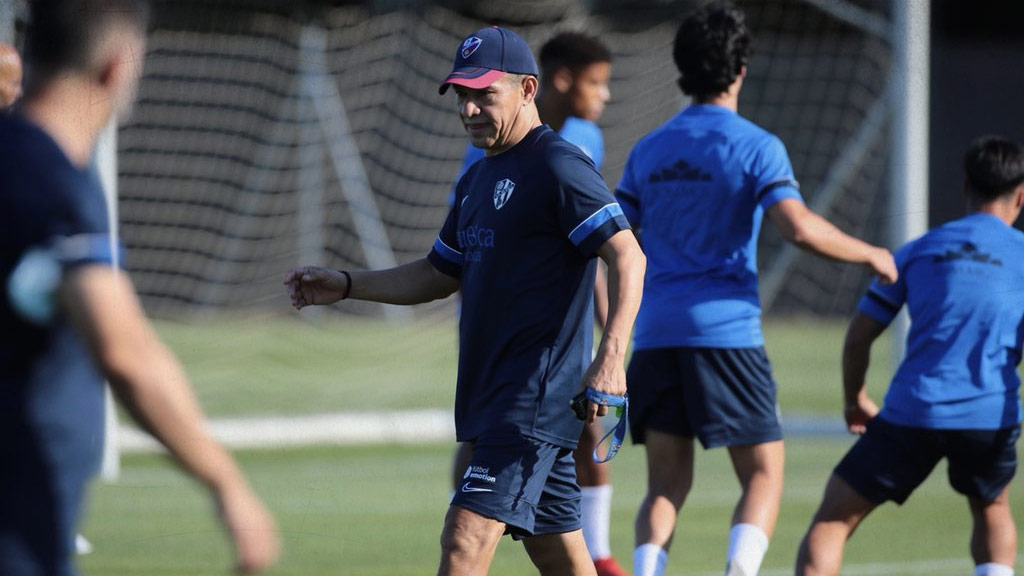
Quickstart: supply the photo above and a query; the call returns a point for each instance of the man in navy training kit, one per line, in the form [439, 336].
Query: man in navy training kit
[956, 395]
[520, 242]
[696, 190]
[575, 69]
[68, 317]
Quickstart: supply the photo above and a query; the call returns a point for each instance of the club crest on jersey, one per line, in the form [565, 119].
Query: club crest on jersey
[470, 46]
[502, 192]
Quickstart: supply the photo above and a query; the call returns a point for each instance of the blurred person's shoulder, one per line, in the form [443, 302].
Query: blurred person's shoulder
[28, 150]
[40, 181]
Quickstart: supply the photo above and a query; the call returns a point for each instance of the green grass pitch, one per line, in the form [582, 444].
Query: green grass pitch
[377, 510]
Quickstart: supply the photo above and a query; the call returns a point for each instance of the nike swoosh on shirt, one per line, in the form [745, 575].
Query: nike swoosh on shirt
[467, 488]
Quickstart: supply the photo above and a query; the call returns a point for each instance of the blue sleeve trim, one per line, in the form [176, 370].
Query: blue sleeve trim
[594, 221]
[447, 252]
[778, 191]
[878, 307]
[446, 259]
[776, 185]
[598, 237]
[87, 249]
[881, 300]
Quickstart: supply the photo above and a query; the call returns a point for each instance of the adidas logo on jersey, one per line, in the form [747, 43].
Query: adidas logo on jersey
[970, 253]
[681, 170]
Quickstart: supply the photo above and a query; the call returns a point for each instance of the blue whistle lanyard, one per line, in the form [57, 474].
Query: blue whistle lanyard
[617, 434]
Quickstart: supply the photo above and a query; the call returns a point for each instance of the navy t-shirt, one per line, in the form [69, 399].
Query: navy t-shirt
[52, 218]
[521, 238]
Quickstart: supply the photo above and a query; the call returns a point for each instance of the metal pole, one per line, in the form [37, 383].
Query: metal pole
[8, 16]
[910, 102]
[105, 164]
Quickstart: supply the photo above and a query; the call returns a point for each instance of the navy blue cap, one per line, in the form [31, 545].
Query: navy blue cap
[487, 55]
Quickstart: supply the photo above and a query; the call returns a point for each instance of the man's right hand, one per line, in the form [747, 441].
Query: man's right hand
[252, 528]
[858, 413]
[313, 285]
[883, 264]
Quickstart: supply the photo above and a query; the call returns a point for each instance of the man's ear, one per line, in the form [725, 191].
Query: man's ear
[562, 80]
[530, 87]
[1018, 199]
[120, 61]
[109, 73]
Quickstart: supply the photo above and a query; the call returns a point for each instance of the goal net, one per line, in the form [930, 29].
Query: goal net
[265, 138]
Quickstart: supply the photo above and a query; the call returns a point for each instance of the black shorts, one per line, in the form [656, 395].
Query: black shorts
[723, 396]
[890, 461]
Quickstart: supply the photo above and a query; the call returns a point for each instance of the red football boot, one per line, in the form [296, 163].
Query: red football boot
[609, 567]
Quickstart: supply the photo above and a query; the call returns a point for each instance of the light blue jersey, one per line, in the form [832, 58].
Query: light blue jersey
[963, 285]
[696, 189]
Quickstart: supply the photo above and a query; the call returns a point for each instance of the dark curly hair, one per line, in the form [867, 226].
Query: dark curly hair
[711, 47]
[993, 166]
[573, 50]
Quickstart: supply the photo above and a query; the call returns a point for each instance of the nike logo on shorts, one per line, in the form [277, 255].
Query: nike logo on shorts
[467, 488]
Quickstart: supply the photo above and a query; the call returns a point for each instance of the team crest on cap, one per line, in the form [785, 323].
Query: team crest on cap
[470, 46]
[502, 192]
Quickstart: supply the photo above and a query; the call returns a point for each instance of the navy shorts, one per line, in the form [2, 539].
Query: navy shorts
[528, 484]
[890, 461]
[723, 396]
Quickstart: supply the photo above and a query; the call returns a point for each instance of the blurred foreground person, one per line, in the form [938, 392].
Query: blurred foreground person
[68, 317]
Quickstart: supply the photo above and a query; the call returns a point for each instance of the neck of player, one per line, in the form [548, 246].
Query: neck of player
[72, 111]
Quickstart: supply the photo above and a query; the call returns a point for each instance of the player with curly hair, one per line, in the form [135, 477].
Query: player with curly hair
[696, 190]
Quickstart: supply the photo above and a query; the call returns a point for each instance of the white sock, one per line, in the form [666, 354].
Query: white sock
[597, 505]
[649, 560]
[993, 569]
[747, 546]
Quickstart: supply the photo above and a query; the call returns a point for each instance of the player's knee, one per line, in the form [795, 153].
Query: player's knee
[806, 562]
[672, 482]
[675, 493]
[460, 539]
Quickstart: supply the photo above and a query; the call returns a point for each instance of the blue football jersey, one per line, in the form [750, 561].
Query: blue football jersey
[696, 190]
[963, 285]
[52, 218]
[521, 238]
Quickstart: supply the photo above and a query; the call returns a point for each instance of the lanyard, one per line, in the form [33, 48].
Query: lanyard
[617, 434]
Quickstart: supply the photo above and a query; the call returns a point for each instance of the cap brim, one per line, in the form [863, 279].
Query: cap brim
[475, 78]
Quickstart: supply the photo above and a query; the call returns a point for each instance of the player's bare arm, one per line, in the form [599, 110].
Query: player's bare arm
[858, 407]
[102, 305]
[811, 232]
[412, 283]
[626, 267]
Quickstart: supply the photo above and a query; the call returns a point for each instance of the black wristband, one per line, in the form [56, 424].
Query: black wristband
[348, 284]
